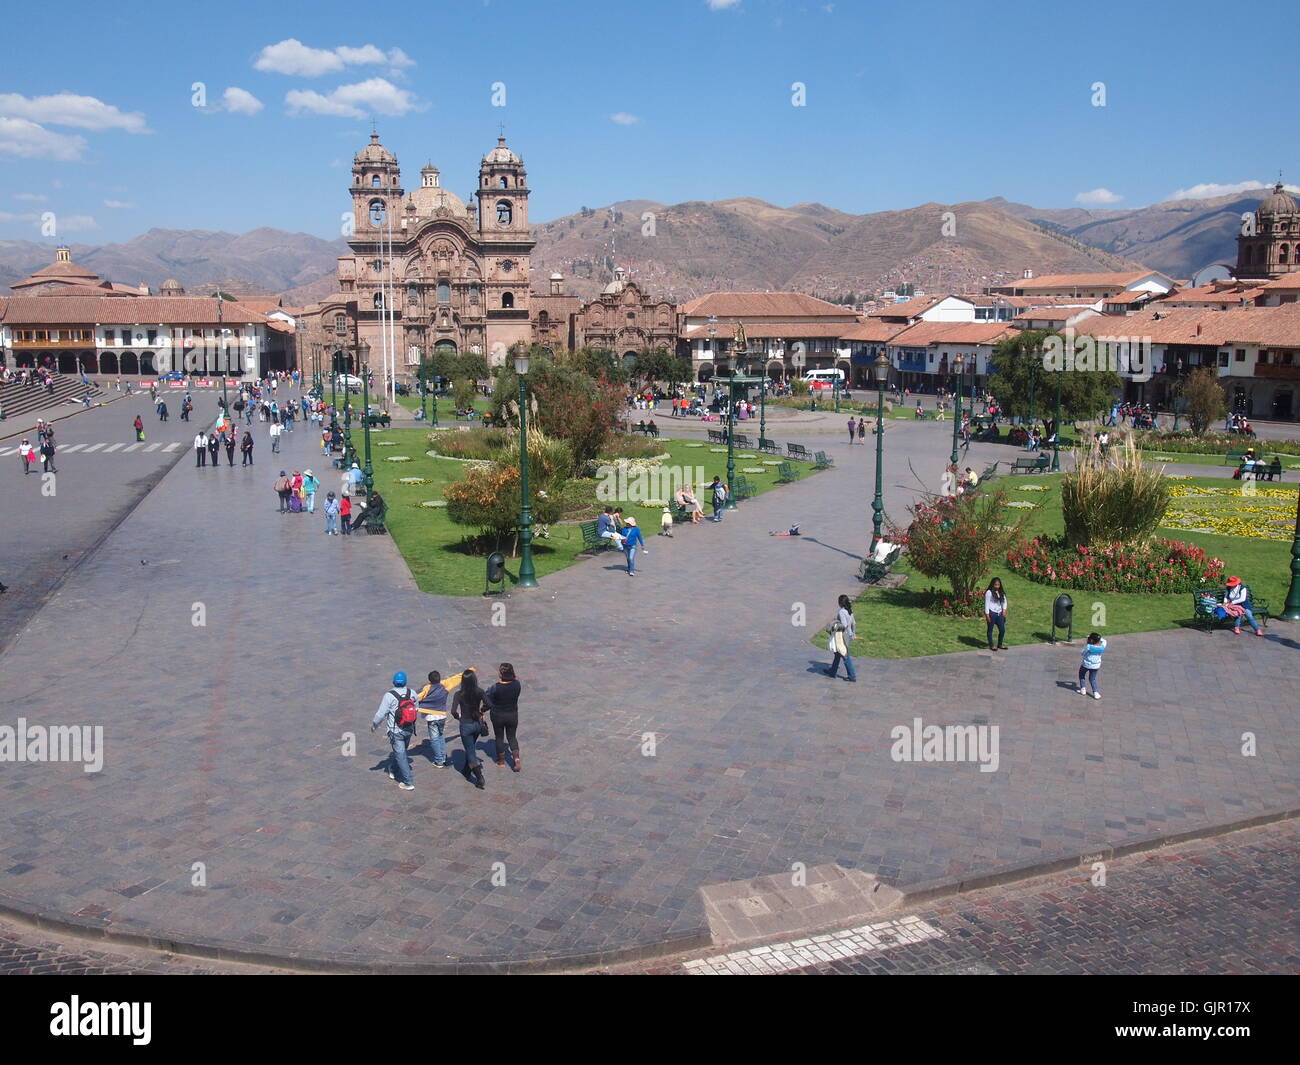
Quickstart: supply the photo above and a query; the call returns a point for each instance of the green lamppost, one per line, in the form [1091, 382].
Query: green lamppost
[835, 386]
[880, 369]
[527, 575]
[956, 412]
[1291, 610]
[424, 391]
[731, 430]
[334, 392]
[1033, 380]
[365, 425]
[225, 402]
[762, 407]
[1056, 427]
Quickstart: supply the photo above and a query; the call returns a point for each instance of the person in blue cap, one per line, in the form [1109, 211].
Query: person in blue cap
[398, 711]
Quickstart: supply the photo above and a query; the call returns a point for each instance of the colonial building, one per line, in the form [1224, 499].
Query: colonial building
[1268, 246]
[428, 270]
[1088, 286]
[788, 333]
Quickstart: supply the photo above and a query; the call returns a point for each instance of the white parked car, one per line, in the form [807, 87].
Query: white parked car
[346, 380]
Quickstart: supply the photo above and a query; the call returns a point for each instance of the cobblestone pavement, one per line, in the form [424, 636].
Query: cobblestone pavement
[676, 727]
[1219, 906]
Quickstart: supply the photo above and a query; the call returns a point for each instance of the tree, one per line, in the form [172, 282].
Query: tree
[959, 539]
[570, 404]
[651, 366]
[470, 366]
[1203, 399]
[488, 498]
[1021, 375]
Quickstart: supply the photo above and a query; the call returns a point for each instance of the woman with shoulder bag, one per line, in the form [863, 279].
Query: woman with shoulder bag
[467, 708]
[842, 630]
[503, 705]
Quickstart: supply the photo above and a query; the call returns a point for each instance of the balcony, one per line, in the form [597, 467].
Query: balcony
[1277, 372]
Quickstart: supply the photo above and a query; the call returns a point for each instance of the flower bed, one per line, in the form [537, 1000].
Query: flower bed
[1261, 514]
[1160, 566]
[1184, 443]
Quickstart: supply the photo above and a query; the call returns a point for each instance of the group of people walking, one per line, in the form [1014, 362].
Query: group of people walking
[470, 705]
[45, 447]
[210, 444]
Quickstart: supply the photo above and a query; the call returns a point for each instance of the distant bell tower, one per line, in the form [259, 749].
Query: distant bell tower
[502, 194]
[376, 187]
[1267, 244]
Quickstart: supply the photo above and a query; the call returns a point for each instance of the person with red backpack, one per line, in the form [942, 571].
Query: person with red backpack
[398, 710]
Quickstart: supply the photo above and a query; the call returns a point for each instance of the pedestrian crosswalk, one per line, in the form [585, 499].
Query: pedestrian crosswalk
[103, 448]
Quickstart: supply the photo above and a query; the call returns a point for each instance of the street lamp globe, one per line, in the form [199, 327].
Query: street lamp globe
[521, 365]
[880, 369]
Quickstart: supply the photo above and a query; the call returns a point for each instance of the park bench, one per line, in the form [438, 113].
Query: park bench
[1034, 465]
[679, 511]
[925, 415]
[990, 470]
[1203, 612]
[744, 442]
[373, 517]
[785, 473]
[591, 538]
[646, 430]
[717, 436]
[798, 451]
[768, 447]
[1234, 458]
[823, 461]
[870, 572]
[1273, 473]
[742, 488]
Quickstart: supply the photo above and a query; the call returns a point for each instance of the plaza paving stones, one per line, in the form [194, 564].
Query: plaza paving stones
[223, 742]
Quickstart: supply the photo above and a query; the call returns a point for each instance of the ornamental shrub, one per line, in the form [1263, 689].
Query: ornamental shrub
[1112, 498]
[487, 499]
[1155, 567]
[958, 539]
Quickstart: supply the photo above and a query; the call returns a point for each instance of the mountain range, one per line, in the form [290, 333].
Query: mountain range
[688, 249]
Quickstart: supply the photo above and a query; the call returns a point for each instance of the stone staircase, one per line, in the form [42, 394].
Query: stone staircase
[17, 400]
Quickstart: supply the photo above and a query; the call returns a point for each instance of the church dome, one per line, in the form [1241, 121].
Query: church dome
[374, 152]
[618, 284]
[1278, 202]
[428, 199]
[501, 154]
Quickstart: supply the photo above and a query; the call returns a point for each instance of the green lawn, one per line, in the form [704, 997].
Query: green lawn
[446, 406]
[433, 546]
[891, 623]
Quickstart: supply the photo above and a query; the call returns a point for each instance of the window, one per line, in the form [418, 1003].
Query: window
[376, 212]
[473, 293]
[631, 316]
[507, 301]
[504, 212]
[505, 184]
[1241, 355]
[340, 323]
[444, 291]
[126, 337]
[377, 266]
[412, 294]
[153, 337]
[379, 301]
[374, 181]
[1223, 358]
[1283, 254]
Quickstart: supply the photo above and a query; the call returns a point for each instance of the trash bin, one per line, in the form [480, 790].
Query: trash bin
[1063, 616]
[496, 572]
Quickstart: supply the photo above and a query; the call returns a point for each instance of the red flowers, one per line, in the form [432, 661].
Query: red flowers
[1165, 566]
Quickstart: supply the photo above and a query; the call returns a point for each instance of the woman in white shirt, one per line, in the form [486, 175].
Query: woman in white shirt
[995, 613]
[842, 631]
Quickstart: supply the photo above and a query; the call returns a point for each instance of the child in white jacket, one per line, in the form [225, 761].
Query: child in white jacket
[1091, 664]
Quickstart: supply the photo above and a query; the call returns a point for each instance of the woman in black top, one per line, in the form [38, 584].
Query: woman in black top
[467, 708]
[503, 703]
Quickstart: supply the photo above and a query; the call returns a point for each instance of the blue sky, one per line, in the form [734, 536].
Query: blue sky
[906, 103]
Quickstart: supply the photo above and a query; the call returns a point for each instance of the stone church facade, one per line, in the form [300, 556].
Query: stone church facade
[429, 271]
[1270, 247]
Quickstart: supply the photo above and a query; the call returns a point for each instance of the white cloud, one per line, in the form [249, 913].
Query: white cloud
[9, 216]
[68, 109]
[34, 197]
[721, 5]
[1210, 189]
[1096, 197]
[119, 204]
[26, 140]
[292, 57]
[624, 119]
[241, 101]
[75, 223]
[376, 95]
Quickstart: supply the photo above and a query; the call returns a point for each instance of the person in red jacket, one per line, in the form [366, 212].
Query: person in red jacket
[345, 514]
[139, 428]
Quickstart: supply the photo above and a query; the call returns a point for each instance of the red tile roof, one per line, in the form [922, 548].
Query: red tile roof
[1052, 314]
[1287, 282]
[164, 310]
[1265, 326]
[925, 333]
[762, 305]
[908, 308]
[1073, 281]
[776, 330]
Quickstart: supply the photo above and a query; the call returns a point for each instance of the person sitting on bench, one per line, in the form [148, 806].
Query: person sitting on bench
[605, 527]
[881, 550]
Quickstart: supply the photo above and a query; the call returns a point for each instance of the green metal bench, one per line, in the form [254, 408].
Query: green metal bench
[591, 538]
[870, 572]
[717, 436]
[925, 415]
[1037, 465]
[989, 471]
[744, 441]
[768, 447]
[785, 473]
[742, 488]
[823, 461]
[798, 451]
[1203, 613]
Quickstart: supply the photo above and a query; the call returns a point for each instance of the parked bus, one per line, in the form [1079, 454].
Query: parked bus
[824, 378]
